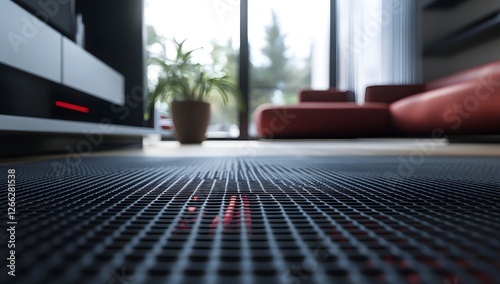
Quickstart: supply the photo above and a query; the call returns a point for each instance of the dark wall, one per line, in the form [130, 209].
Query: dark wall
[59, 14]
[443, 24]
[114, 32]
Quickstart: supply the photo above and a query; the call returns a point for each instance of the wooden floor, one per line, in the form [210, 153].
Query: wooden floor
[356, 147]
[364, 147]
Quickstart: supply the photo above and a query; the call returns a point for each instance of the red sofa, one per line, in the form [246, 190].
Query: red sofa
[464, 103]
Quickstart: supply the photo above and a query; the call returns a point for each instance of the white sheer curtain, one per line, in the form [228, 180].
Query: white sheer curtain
[379, 43]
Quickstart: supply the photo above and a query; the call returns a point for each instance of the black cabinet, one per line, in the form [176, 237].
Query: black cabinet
[44, 67]
[60, 14]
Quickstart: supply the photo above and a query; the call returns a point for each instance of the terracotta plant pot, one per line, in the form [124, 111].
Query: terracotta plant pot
[191, 121]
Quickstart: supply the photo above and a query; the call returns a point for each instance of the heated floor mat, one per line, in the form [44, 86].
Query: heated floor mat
[254, 220]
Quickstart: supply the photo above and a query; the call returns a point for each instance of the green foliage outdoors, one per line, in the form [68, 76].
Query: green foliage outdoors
[283, 72]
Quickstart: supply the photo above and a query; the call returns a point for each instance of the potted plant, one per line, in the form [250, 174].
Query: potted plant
[187, 87]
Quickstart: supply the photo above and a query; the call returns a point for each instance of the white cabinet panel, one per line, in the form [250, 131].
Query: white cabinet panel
[84, 72]
[28, 44]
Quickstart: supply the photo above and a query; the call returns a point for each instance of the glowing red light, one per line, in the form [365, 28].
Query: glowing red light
[228, 215]
[214, 222]
[72, 107]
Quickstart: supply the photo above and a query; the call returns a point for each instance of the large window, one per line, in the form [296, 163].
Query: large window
[289, 50]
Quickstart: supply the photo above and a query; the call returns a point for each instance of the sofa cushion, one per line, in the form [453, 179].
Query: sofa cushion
[332, 95]
[391, 93]
[486, 72]
[323, 120]
[464, 108]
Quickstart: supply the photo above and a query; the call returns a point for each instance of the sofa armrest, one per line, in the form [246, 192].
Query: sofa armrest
[331, 95]
[391, 93]
[467, 108]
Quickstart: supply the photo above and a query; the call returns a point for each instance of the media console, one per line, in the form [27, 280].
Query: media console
[70, 65]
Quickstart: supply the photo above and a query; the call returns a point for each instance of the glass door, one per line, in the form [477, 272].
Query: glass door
[289, 50]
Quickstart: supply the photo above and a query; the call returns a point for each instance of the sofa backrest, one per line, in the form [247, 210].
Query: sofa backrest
[391, 93]
[489, 71]
[330, 95]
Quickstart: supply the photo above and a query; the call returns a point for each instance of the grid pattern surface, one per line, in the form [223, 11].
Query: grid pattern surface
[257, 220]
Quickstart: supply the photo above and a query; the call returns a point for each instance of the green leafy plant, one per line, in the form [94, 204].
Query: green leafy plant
[181, 79]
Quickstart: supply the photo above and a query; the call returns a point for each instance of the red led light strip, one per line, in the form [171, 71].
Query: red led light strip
[72, 107]
[229, 212]
[228, 216]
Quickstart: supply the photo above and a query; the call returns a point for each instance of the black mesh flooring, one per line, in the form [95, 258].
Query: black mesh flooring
[255, 220]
